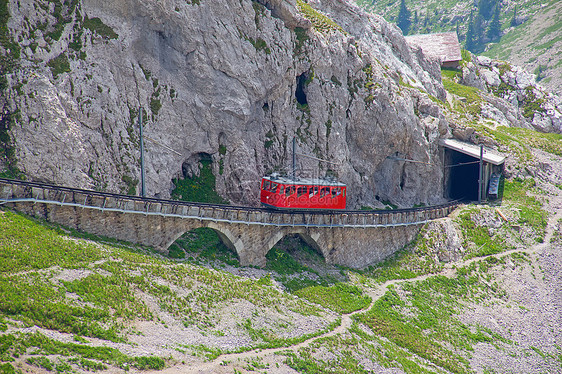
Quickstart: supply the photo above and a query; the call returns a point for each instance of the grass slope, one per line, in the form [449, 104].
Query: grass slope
[535, 44]
[70, 302]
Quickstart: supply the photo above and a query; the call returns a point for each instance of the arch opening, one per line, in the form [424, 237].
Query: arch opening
[294, 251]
[204, 244]
[197, 181]
[299, 263]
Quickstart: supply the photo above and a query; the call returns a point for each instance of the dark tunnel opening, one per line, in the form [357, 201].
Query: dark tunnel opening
[299, 92]
[463, 181]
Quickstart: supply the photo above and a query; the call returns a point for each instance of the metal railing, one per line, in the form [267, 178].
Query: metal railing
[13, 191]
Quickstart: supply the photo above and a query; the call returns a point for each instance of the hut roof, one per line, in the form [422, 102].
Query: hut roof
[445, 46]
[472, 150]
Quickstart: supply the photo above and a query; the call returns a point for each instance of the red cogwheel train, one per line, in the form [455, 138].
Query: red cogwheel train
[295, 193]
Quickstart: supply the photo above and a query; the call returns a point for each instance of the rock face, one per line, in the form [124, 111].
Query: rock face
[519, 100]
[232, 81]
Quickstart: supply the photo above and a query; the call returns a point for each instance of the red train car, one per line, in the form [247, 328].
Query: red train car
[286, 193]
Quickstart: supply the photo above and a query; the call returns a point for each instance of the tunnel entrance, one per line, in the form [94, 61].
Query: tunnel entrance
[463, 184]
[462, 170]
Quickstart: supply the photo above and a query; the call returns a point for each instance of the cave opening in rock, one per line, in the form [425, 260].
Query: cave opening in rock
[463, 179]
[197, 184]
[299, 92]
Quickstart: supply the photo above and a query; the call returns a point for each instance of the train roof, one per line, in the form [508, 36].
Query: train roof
[304, 181]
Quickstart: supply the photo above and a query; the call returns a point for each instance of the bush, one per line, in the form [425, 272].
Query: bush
[59, 65]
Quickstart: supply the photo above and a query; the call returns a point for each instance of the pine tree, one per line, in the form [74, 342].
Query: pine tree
[404, 18]
[494, 32]
[470, 37]
[514, 19]
[479, 33]
[485, 8]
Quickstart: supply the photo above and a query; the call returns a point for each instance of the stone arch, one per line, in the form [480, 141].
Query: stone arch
[226, 236]
[311, 239]
[171, 238]
[274, 239]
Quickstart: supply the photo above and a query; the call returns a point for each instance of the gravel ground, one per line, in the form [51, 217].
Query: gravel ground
[530, 316]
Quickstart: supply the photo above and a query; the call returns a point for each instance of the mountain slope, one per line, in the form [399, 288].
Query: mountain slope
[531, 39]
[487, 301]
[228, 83]
[536, 45]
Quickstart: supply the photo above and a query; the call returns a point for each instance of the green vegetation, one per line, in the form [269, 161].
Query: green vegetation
[370, 84]
[199, 189]
[404, 20]
[12, 49]
[531, 213]
[131, 185]
[28, 246]
[451, 74]
[7, 148]
[421, 318]
[411, 323]
[473, 104]
[155, 105]
[87, 357]
[59, 65]
[260, 45]
[480, 236]
[106, 293]
[62, 14]
[418, 258]
[302, 37]
[531, 104]
[319, 21]
[202, 246]
[341, 297]
[95, 25]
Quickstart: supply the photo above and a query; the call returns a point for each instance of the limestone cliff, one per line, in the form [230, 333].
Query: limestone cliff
[232, 81]
[516, 99]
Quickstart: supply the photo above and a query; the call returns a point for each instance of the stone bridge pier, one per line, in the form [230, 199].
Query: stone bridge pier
[343, 246]
[349, 238]
[352, 247]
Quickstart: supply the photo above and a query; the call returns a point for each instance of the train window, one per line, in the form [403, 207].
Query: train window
[281, 189]
[289, 190]
[266, 184]
[344, 192]
[338, 191]
[323, 191]
[274, 187]
[301, 190]
[333, 192]
[312, 191]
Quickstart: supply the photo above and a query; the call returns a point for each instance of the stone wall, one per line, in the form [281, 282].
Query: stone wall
[354, 239]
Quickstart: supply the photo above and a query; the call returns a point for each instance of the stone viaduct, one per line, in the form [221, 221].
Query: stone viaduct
[349, 238]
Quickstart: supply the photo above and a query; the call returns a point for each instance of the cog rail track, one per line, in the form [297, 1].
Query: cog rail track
[18, 192]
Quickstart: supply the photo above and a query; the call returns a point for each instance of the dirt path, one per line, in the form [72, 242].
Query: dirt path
[224, 362]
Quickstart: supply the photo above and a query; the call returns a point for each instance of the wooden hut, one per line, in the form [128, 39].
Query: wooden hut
[443, 46]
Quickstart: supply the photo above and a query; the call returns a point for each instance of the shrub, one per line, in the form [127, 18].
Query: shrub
[59, 65]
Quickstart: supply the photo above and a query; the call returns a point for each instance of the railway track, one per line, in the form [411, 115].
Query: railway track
[16, 191]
